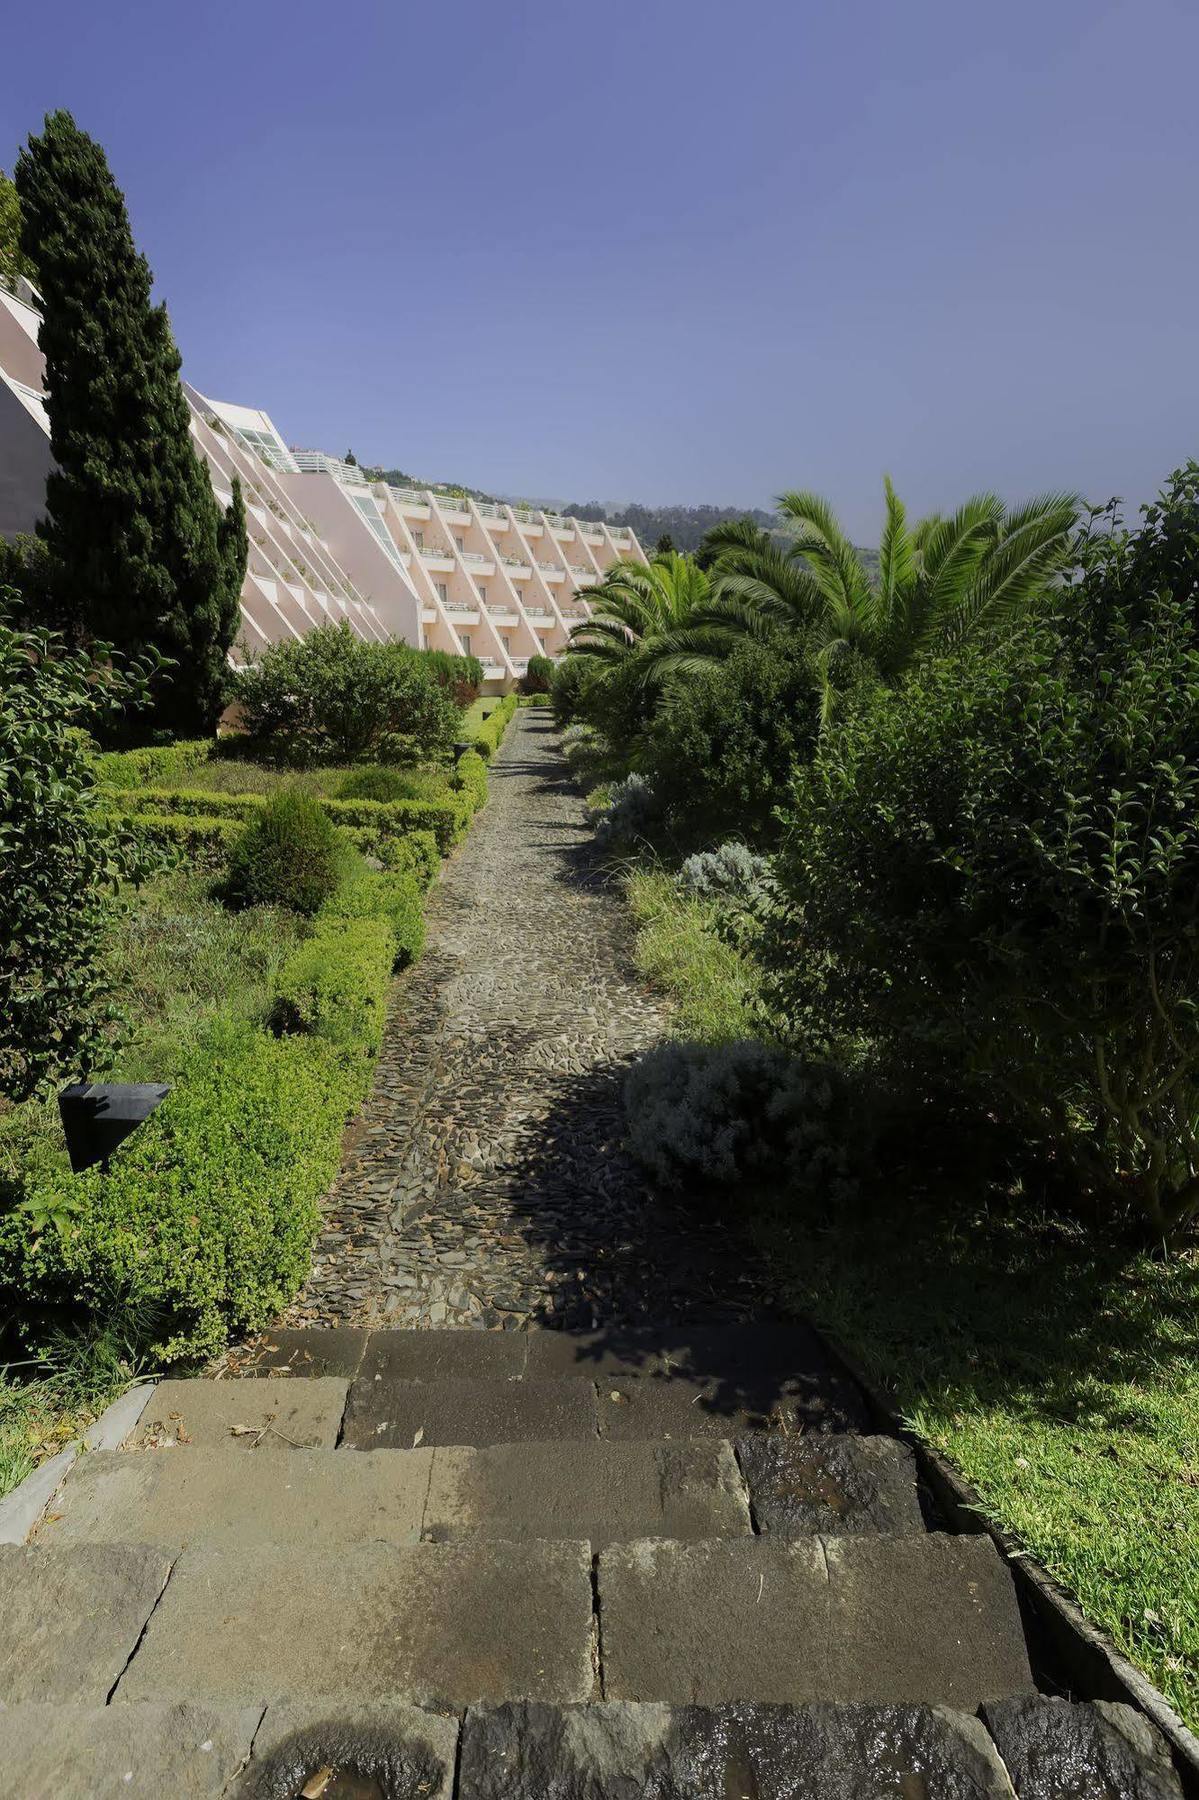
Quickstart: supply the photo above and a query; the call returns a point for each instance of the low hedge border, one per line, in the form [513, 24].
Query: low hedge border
[470, 777]
[156, 763]
[447, 819]
[490, 734]
[335, 985]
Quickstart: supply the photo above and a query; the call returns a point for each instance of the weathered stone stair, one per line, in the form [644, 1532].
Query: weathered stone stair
[527, 1564]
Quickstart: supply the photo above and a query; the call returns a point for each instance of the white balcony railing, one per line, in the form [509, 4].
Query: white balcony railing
[431, 554]
[516, 562]
[490, 511]
[473, 556]
[459, 606]
[315, 462]
[408, 496]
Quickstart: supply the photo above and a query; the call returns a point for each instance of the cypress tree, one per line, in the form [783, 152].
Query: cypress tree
[141, 552]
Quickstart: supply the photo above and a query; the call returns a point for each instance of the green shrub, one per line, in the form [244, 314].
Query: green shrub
[154, 766]
[204, 1225]
[470, 777]
[534, 700]
[993, 871]
[290, 855]
[376, 820]
[63, 857]
[743, 1115]
[394, 897]
[335, 985]
[574, 676]
[539, 677]
[238, 808]
[331, 697]
[722, 749]
[415, 854]
[376, 783]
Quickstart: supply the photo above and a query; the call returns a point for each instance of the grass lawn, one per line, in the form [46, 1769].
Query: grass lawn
[230, 775]
[1059, 1374]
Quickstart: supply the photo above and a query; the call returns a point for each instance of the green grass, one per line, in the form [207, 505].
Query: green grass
[713, 986]
[1058, 1372]
[44, 1407]
[472, 718]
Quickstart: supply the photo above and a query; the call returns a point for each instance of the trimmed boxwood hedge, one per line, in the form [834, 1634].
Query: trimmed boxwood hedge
[470, 777]
[204, 1224]
[335, 985]
[414, 854]
[394, 897]
[490, 733]
[156, 763]
[447, 819]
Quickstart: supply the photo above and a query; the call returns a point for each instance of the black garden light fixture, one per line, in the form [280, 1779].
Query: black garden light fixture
[99, 1115]
[460, 750]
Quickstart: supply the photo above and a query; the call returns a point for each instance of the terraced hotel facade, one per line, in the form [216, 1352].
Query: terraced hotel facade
[437, 570]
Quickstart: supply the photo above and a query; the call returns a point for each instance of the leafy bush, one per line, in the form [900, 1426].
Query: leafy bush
[742, 1113]
[154, 766]
[539, 677]
[65, 856]
[204, 1224]
[632, 812]
[290, 855]
[573, 677]
[534, 700]
[460, 676]
[335, 985]
[390, 895]
[415, 854]
[722, 749]
[374, 821]
[994, 870]
[470, 777]
[376, 783]
[730, 873]
[330, 697]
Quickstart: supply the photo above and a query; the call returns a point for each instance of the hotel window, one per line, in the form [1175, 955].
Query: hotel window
[464, 640]
[442, 591]
[461, 542]
[483, 592]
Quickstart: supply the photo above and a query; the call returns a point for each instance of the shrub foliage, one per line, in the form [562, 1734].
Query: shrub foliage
[289, 855]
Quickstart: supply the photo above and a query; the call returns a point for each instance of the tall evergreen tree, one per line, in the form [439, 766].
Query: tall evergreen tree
[12, 263]
[138, 543]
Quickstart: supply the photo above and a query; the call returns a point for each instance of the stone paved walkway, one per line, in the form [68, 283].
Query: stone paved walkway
[485, 1184]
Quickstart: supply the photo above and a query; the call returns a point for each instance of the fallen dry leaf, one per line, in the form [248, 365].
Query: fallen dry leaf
[316, 1784]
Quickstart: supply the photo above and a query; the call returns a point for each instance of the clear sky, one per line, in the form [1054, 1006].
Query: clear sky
[671, 250]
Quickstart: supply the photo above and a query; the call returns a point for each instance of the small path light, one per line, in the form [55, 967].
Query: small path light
[97, 1116]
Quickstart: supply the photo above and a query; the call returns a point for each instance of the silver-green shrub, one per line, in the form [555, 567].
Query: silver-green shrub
[742, 1113]
[731, 872]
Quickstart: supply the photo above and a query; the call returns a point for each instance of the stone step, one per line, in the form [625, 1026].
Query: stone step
[599, 1491]
[531, 1750]
[883, 1619]
[748, 1375]
[270, 1414]
[888, 1620]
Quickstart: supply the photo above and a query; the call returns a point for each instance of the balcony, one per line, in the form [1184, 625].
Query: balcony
[539, 612]
[517, 562]
[315, 462]
[594, 533]
[409, 500]
[475, 556]
[490, 511]
[452, 503]
[461, 606]
[435, 555]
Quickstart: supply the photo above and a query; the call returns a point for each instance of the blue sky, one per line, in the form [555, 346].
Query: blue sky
[667, 249]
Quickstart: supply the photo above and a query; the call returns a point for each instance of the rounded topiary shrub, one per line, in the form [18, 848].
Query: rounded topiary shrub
[539, 677]
[743, 1113]
[374, 782]
[290, 855]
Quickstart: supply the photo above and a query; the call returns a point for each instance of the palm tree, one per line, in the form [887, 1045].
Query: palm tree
[938, 582]
[650, 620]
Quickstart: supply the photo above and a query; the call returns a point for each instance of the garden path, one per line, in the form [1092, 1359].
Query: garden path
[485, 1184]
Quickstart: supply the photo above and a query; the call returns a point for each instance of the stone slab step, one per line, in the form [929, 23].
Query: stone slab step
[386, 1414]
[657, 1752]
[847, 1485]
[330, 1499]
[1037, 1749]
[282, 1414]
[71, 1618]
[440, 1624]
[1053, 1749]
[891, 1620]
[321, 1498]
[178, 1751]
[600, 1491]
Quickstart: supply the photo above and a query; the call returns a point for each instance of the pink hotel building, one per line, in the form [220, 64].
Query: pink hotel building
[499, 582]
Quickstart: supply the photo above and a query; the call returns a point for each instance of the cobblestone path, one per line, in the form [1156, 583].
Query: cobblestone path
[485, 1183]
